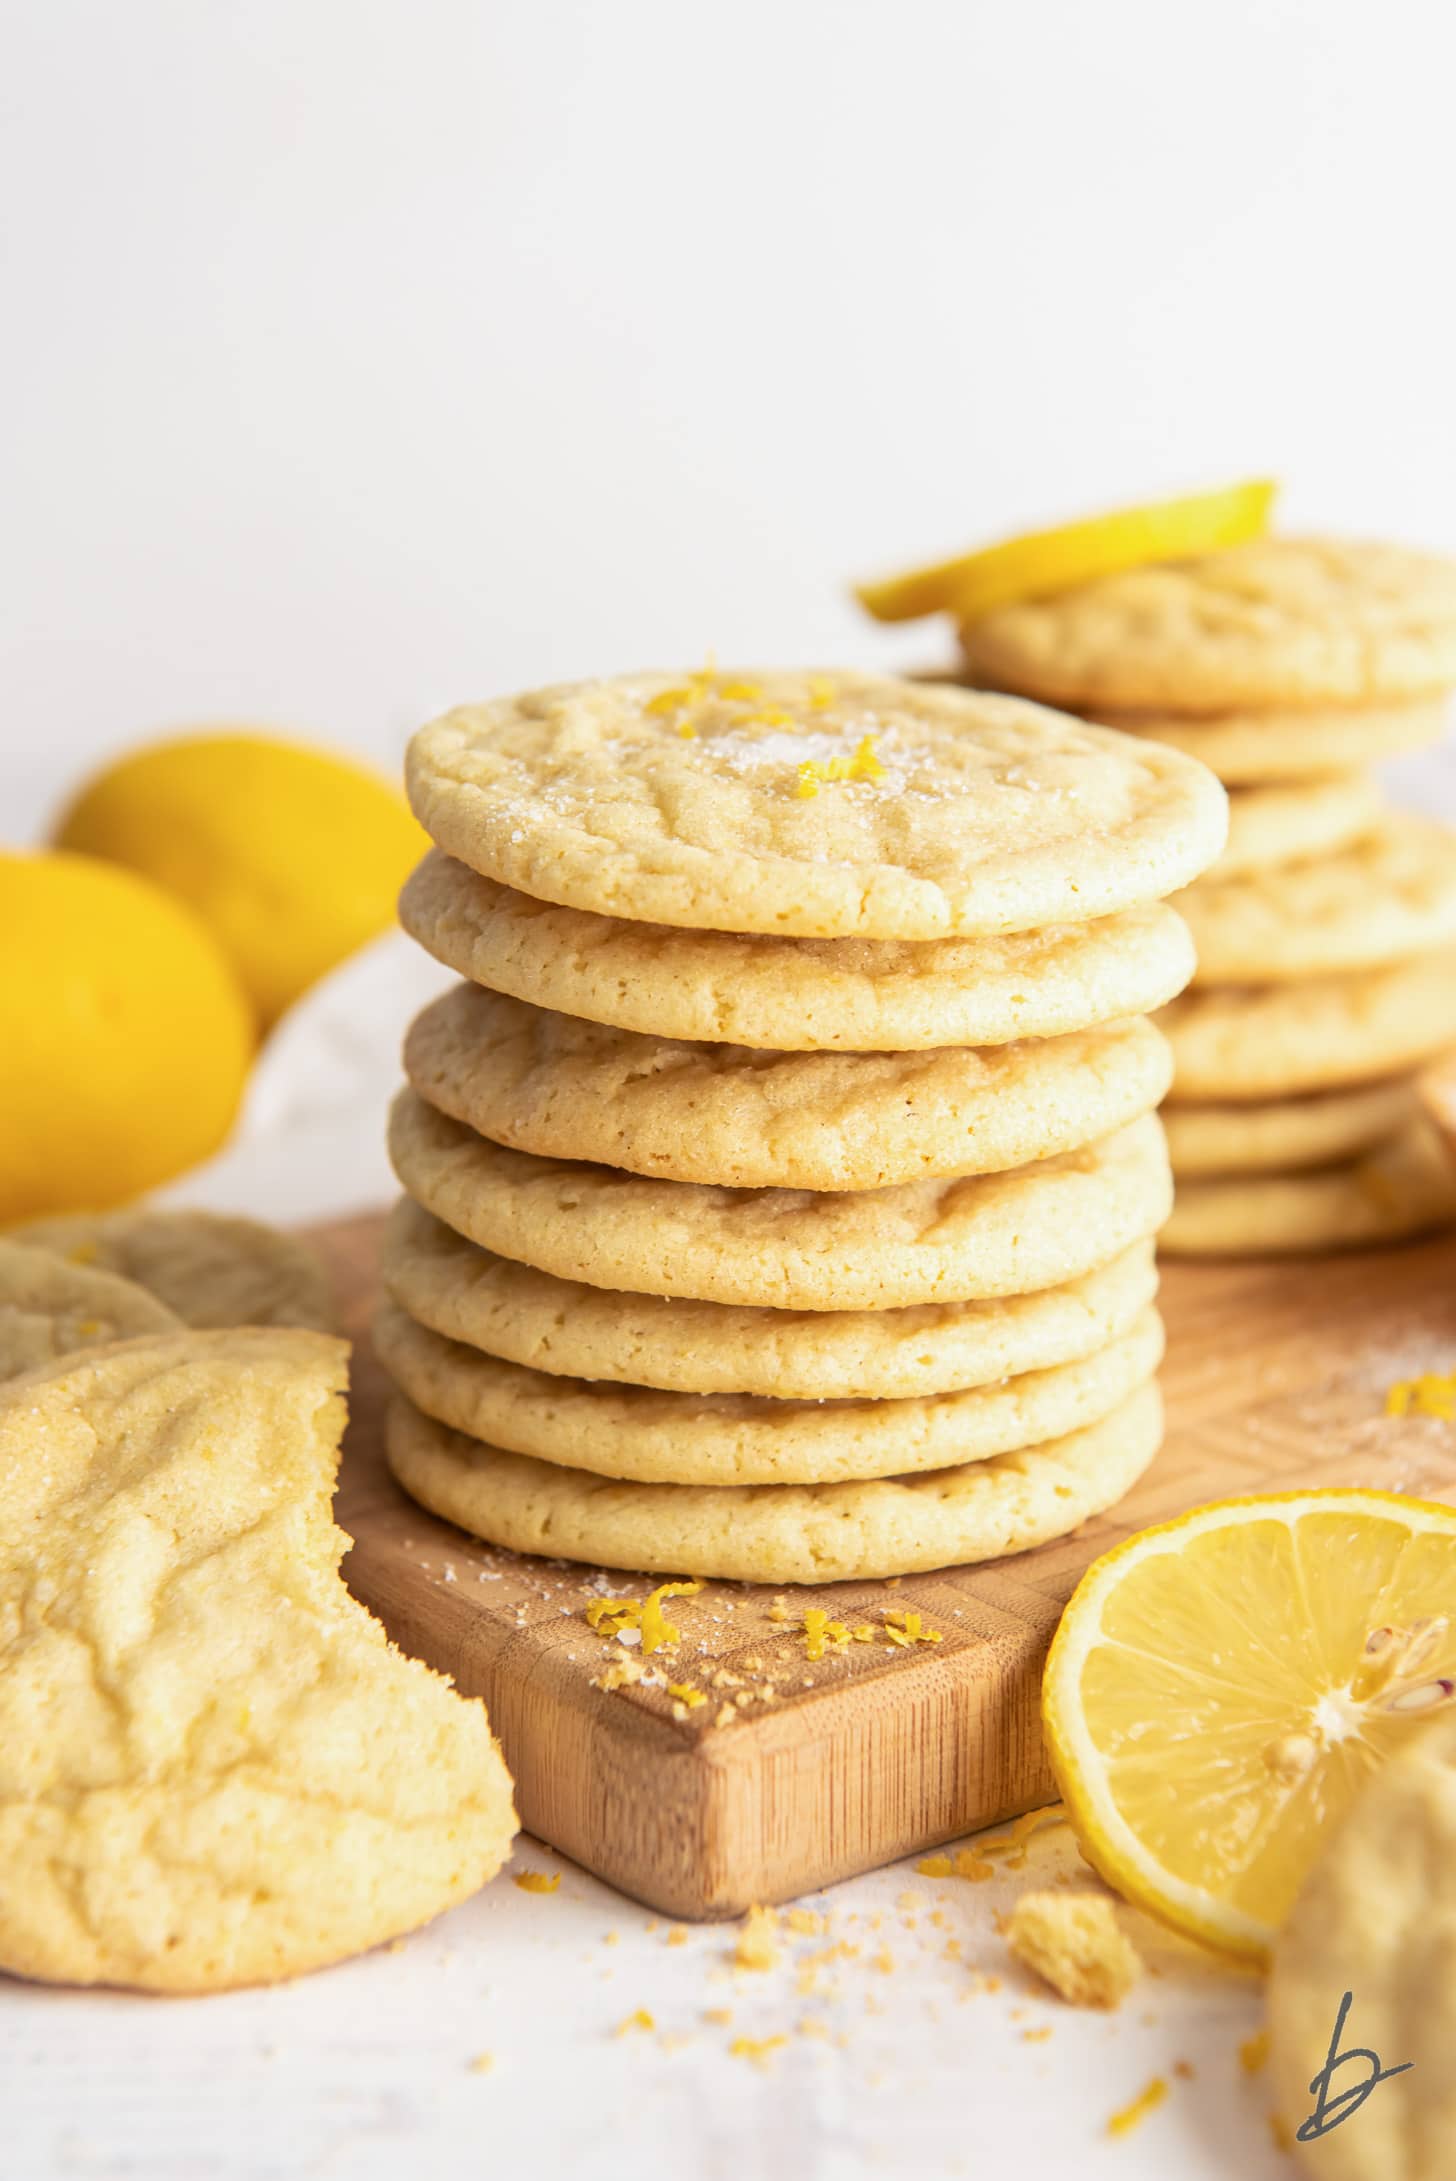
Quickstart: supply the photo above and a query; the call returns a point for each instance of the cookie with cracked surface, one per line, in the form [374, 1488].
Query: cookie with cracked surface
[211, 1269]
[1320, 1129]
[49, 1309]
[733, 1117]
[796, 995]
[564, 1327]
[650, 1437]
[1376, 1922]
[1250, 749]
[814, 806]
[785, 1249]
[1292, 821]
[215, 1769]
[778, 1533]
[1391, 894]
[1403, 1187]
[1277, 622]
[1247, 1042]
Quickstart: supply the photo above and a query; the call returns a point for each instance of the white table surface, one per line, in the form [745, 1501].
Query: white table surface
[366, 2070]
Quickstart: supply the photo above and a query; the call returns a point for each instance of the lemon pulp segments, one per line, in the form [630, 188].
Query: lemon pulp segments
[1044, 561]
[1220, 1687]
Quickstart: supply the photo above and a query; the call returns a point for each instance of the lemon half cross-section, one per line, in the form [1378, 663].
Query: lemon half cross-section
[1220, 1687]
[1045, 561]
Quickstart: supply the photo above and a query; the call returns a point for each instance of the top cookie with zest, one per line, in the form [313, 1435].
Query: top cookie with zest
[812, 805]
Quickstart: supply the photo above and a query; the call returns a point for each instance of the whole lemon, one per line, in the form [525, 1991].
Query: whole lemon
[292, 855]
[125, 1036]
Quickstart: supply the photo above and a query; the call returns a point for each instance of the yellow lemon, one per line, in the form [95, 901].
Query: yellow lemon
[292, 855]
[125, 1036]
[1220, 1687]
[1057, 560]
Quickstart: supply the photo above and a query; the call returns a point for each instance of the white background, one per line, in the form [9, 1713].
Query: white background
[359, 358]
[364, 356]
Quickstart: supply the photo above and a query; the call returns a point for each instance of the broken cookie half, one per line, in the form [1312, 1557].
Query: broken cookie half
[215, 1769]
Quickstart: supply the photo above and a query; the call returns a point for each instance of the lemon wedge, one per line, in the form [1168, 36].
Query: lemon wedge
[1220, 1687]
[1057, 560]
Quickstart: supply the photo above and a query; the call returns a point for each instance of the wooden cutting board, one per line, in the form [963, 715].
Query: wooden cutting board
[1276, 1378]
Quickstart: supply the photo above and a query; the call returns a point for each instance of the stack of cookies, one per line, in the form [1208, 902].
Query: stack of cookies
[1326, 933]
[782, 1178]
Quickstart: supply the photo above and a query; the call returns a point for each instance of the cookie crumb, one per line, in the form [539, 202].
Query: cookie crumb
[758, 1946]
[1074, 1941]
[482, 2063]
[538, 1881]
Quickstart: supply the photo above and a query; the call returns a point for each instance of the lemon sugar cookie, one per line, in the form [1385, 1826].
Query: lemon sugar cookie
[1318, 1129]
[816, 806]
[1389, 895]
[1367, 1952]
[797, 995]
[1277, 622]
[778, 1533]
[562, 1326]
[651, 1437]
[786, 1249]
[210, 1269]
[1291, 821]
[49, 1308]
[1255, 748]
[1404, 1186]
[1249, 1042]
[738, 1118]
[215, 1769]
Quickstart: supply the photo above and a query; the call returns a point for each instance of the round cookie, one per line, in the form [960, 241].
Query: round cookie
[218, 1770]
[1277, 1041]
[49, 1309]
[1390, 894]
[211, 1270]
[1405, 1186]
[564, 1327]
[796, 995]
[815, 806]
[1279, 621]
[778, 1533]
[1250, 748]
[785, 1249]
[1319, 1129]
[727, 1438]
[1376, 1920]
[731, 1117]
[1290, 824]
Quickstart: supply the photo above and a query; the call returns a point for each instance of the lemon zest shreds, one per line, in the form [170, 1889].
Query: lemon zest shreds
[687, 1694]
[538, 1881]
[1132, 2116]
[864, 765]
[935, 1866]
[656, 1630]
[639, 2019]
[614, 1616]
[1429, 1395]
[907, 1629]
[758, 2049]
[758, 1946]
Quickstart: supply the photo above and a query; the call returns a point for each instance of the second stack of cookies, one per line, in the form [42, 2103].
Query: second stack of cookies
[757, 1253]
[1326, 934]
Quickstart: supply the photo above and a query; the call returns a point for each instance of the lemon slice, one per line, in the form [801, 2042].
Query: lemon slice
[1056, 560]
[1220, 1687]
